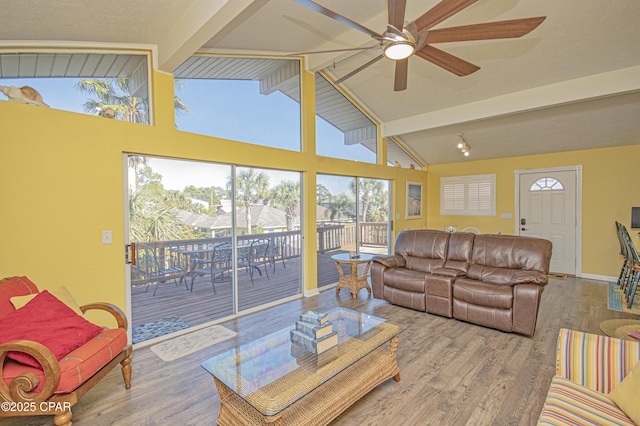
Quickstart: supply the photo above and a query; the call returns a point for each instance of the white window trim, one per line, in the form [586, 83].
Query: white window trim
[466, 181]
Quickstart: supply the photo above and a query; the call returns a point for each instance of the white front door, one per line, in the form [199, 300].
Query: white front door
[548, 210]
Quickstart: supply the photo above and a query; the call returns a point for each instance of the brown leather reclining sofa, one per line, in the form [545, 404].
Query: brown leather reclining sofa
[491, 280]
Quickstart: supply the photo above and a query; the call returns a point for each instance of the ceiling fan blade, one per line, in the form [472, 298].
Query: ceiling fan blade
[487, 31]
[451, 63]
[332, 51]
[396, 10]
[357, 70]
[443, 10]
[402, 70]
[340, 18]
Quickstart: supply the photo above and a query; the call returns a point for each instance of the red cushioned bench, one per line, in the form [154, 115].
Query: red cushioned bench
[50, 355]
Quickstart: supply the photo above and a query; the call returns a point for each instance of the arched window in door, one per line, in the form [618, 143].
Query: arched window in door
[546, 184]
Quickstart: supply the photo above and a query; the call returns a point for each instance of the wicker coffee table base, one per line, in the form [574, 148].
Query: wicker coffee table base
[323, 404]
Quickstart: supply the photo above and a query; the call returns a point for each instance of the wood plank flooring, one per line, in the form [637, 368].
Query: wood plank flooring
[452, 373]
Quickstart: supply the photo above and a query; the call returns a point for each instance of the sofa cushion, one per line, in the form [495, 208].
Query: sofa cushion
[48, 321]
[390, 261]
[459, 252]
[405, 279]
[79, 365]
[423, 250]
[594, 361]
[497, 258]
[625, 395]
[14, 286]
[483, 294]
[568, 403]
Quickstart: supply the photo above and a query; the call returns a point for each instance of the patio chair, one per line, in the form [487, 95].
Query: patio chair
[255, 257]
[217, 265]
[164, 269]
[276, 250]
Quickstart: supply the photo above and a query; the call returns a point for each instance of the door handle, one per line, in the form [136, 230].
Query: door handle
[523, 229]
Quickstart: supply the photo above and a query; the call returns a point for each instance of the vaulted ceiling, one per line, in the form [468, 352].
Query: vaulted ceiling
[572, 83]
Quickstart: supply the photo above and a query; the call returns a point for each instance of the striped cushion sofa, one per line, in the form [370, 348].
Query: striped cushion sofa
[588, 367]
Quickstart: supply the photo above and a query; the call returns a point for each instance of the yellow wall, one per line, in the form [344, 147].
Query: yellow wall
[61, 185]
[610, 180]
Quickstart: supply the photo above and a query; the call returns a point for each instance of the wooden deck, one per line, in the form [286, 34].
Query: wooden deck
[203, 306]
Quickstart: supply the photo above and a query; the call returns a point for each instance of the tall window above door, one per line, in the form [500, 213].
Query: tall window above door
[342, 130]
[253, 100]
[113, 84]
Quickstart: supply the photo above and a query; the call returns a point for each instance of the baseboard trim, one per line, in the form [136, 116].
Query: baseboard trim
[311, 293]
[598, 277]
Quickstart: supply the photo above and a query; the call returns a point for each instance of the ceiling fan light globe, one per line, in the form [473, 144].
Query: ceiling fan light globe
[466, 153]
[399, 50]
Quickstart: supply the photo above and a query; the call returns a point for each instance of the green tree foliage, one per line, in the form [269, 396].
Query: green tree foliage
[287, 195]
[114, 93]
[154, 218]
[153, 210]
[250, 187]
[341, 206]
[322, 194]
[211, 195]
[369, 190]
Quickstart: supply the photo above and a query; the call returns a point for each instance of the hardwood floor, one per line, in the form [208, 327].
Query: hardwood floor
[452, 373]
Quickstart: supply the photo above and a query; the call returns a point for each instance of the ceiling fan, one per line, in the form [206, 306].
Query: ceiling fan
[402, 40]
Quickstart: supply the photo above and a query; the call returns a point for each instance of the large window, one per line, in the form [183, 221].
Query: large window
[114, 85]
[468, 195]
[342, 130]
[253, 100]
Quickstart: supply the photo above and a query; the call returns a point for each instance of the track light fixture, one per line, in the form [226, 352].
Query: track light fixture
[463, 146]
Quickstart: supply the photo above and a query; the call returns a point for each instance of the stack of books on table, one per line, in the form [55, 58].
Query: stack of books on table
[314, 333]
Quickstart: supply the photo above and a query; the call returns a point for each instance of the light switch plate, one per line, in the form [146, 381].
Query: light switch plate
[506, 216]
[107, 237]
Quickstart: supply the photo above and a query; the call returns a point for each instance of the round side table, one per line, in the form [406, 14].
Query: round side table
[353, 282]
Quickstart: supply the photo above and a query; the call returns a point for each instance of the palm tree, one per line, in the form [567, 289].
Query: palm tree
[369, 189]
[341, 205]
[322, 194]
[287, 195]
[153, 218]
[114, 93]
[250, 187]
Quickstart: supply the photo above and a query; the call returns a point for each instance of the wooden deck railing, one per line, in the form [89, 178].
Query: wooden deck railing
[151, 257]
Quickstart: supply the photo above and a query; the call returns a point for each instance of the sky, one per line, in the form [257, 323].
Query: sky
[230, 109]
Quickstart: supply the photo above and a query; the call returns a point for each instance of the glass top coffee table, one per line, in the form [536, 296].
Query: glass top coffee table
[272, 381]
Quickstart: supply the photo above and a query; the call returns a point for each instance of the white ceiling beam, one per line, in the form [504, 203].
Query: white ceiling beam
[610, 83]
[200, 22]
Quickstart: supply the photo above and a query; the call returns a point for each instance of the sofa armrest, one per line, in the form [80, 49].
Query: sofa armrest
[448, 272]
[116, 312]
[390, 261]
[529, 277]
[21, 387]
[594, 361]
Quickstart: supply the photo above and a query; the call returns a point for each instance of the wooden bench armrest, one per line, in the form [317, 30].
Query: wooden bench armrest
[108, 307]
[21, 388]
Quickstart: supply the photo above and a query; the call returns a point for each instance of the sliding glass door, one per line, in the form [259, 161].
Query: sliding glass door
[352, 215]
[211, 240]
[267, 235]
